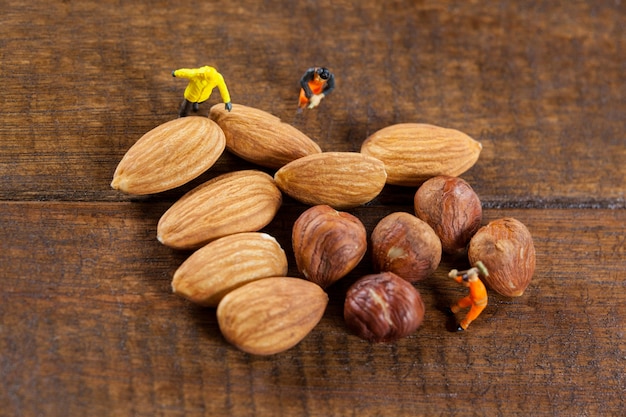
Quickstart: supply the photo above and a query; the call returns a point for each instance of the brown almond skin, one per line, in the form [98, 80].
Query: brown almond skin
[227, 263]
[271, 315]
[451, 207]
[383, 308]
[240, 201]
[415, 152]
[505, 246]
[327, 244]
[406, 246]
[260, 137]
[169, 156]
[341, 180]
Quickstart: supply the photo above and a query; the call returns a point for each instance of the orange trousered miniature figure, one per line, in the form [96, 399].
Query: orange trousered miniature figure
[316, 83]
[477, 298]
[202, 81]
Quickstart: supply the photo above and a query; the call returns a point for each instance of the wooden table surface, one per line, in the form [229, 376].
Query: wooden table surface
[88, 323]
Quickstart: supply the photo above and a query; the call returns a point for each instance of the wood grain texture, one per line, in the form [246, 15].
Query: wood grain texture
[89, 326]
[88, 323]
[541, 86]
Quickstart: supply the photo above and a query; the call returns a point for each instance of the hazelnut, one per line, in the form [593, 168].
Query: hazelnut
[383, 308]
[451, 207]
[406, 246]
[506, 248]
[327, 244]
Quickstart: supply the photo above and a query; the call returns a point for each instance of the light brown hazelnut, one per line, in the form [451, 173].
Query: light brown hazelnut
[452, 208]
[327, 244]
[383, 308]
[506, 248]
[406, 246]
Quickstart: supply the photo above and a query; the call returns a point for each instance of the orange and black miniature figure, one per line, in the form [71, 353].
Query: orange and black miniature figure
[477, 298]
[316, 83]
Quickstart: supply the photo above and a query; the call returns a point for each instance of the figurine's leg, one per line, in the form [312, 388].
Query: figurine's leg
[184, 108]
[472, 315]
[461, 304]
[302, 100]
[196, 107]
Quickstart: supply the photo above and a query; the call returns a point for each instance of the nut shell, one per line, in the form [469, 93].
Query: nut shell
[383, 308]
[406, 246]
[260, 137]
[451, 207]
[415, 152]
[339, 179]
[240, 201]
[506, 248]
[271, 315]
[169, 156]
[227, 263]
[327, 244]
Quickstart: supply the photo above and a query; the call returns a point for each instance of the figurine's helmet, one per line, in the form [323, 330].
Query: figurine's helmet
[323, 73]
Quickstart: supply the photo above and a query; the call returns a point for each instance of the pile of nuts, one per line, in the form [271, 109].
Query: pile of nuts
[242, 271]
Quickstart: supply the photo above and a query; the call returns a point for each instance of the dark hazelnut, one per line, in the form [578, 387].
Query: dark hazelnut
[383, 308]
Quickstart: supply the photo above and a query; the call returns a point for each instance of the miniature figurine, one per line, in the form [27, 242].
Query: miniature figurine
[316, 83]
[477, 298]
[202, 81]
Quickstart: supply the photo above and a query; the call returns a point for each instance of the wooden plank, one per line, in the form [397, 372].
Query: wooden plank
[541, 86]
[88, 326]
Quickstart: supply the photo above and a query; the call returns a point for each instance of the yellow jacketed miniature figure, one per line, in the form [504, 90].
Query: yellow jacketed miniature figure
[202, 81]
[477, 298]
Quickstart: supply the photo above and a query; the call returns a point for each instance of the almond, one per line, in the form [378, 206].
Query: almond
[339, 179]
[240, 201]
[414, 152]
[271, 315]
[169, 156]
[228, 263]
[260, 137]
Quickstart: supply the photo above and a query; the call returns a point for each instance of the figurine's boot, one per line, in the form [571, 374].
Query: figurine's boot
[472, 315]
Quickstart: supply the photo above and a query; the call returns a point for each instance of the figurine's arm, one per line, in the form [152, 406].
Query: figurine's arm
[330, 85]
[221, 85]
[454, 274]
[185, 73]
[304, 82]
